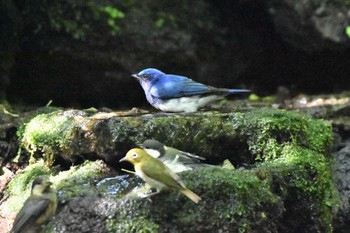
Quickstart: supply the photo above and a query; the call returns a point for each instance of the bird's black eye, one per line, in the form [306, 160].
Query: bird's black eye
[134, 155]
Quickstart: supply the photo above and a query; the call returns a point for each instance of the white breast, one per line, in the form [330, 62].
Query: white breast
[187, 104]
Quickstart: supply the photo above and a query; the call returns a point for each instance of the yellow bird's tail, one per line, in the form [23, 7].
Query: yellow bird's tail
[191, 195]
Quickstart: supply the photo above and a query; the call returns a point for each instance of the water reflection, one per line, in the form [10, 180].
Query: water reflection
[118, 185]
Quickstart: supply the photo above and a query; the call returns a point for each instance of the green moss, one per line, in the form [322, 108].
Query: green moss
[124, 129]
[55, 133]
[139, 224]
[78, 180]
[230, 196]
[231, 201]
[263, 199]
[294, 176]
[48, 228]
[203, 132]
[69, 134]
[19, 188]
[46, 132]
[294, 148]
[309, 174]
[267, 131]
[39, 111]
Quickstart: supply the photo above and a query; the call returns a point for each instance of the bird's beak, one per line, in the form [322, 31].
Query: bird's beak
[123, 159]
[136, 76]
[47, 183]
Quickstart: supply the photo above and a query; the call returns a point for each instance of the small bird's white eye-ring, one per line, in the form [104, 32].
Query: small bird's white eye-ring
[134, 155]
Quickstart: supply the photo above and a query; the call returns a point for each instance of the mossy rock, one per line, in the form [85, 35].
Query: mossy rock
[77, 181]
[281, 156]
[291, 194]
[74, 134]
[267, 131]
[241, 137]
[231, 201]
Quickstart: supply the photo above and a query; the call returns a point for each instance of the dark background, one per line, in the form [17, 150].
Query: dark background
[82, 53]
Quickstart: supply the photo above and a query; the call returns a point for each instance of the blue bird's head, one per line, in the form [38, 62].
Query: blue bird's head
[148, 75]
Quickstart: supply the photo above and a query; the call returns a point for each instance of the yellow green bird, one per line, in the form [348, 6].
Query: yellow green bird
[37, 209]
[175, 159]
[156, 174]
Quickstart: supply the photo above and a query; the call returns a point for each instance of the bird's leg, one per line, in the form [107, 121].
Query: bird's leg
[151, 194]
[143, 196]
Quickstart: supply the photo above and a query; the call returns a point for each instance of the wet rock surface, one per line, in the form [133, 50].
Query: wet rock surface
[85, 214]
[342, 181]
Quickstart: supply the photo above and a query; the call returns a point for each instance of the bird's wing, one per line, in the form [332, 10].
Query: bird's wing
[187, 154]
[178, 156]
[175, 86]
[160, 172]
[30, 212]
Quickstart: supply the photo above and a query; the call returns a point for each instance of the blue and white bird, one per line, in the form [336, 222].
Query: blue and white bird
[175, 93]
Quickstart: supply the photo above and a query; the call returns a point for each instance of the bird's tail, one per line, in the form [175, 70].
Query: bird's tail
[232, 91]
[191, 195]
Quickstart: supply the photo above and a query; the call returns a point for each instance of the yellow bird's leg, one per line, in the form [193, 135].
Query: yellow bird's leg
[143, 196]
[151, 194]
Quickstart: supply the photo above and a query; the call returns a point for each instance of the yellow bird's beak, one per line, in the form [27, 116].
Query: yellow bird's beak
[123, 159]
[47, 183]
